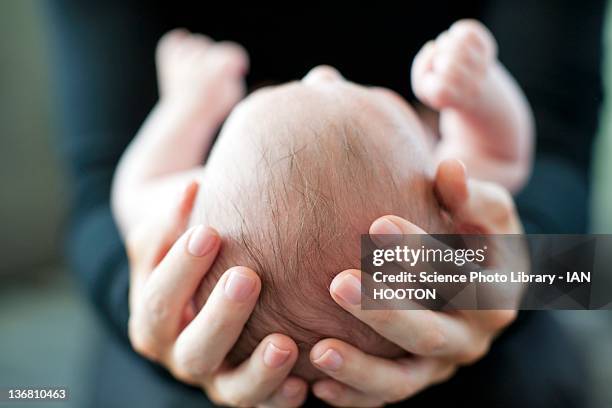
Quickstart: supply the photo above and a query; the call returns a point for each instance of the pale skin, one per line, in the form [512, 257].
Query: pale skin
[484, 118]
[166, 328]
[440, 343]
[167, 154]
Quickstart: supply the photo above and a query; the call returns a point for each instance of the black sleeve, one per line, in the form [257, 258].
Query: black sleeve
[553, 48]
[104, 71]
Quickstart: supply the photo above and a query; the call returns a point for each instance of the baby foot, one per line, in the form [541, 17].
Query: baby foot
[200, 74]
[451, 71]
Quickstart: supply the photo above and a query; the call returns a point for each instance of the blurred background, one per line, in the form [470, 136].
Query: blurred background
[48, 331]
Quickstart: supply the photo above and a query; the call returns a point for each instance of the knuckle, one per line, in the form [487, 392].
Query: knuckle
[432, 339]
[143, 345]
[446, 374]
[155, 306]
[141, 342]
[238, 399]
[214, 397]
[383, 318]
[399, 391]
[183, 377]
[476, 352]
[503, 318]
[190, 364]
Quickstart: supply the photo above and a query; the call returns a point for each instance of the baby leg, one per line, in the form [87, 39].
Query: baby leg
[485, 119]
[199, 83]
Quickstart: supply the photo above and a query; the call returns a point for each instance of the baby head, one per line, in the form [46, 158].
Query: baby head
[298, 173]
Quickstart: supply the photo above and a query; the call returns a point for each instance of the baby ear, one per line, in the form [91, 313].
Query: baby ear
[475, 206]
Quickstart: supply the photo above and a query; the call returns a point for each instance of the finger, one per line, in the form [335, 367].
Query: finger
[150, 241]
[392, 226]
[491, 320]
[422, 332]
[179, 219]
[256, 379]
[158, 309]
[174, 282]
[480, 204]
[451, 184]
[202, 346]
[389, 380]
[339, 395]
[492, 206]
[291, 393]
[183, 211]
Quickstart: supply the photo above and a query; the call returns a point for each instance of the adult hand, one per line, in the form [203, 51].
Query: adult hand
[438, 342]
[165, 327]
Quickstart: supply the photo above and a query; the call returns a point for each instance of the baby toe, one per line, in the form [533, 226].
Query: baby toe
[229, 57]
[200, 43]
[473, 34]
[170, 41]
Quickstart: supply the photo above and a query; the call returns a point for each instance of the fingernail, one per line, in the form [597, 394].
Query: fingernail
[202, 241]
[275, 357]
[385, 232]
[238, 286]
[385, 226]
[329, 360]
[291, 389]
[348, 288]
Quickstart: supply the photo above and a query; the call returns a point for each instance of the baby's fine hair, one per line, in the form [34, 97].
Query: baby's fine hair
[294, 213]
